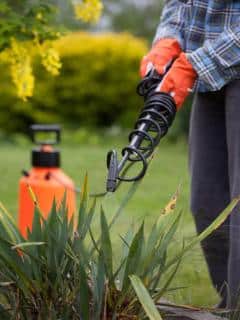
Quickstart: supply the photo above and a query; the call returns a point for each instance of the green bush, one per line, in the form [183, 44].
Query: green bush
[96, 87]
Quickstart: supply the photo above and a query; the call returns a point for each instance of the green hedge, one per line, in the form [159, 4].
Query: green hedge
[96, 86]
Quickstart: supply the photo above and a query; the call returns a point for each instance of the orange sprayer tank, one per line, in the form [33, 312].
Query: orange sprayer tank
[46, 179]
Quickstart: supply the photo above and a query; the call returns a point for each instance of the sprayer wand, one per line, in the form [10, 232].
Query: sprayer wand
[152, 125]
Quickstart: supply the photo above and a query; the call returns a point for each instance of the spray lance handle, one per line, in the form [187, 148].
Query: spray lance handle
[153, 123]
[152, 79]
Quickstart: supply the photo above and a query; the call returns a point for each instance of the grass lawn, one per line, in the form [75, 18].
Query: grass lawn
[168, 170]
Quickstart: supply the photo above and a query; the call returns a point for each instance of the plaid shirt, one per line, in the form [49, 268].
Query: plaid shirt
[209, 32]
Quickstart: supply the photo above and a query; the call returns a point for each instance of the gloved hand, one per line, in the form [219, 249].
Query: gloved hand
[160, 57]
[179, 80]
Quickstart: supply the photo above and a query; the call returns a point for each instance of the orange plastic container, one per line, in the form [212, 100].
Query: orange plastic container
[47, 181]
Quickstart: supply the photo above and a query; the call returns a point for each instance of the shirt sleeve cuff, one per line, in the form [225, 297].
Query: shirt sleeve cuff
[209, 72]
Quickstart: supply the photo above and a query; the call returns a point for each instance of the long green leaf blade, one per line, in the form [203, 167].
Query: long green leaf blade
[84, 294]
[145, 298]
[134, 256]
[83, 206]
[27, 244]
[106, 245]
[212, 227]
[125, 201]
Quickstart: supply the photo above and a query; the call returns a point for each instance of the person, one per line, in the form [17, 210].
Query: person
[197, 47]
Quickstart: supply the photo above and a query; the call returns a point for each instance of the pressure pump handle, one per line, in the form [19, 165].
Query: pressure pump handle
[42, 128]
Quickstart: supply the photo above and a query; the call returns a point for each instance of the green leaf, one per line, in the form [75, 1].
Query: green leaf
[8, 225]
[158, 232]
[98, 272]
[84, 294]
[212, 227]
[169, 234]
[88, 220]
[4, 313]
[83, 207]
[127, 240]
[133, 257]
[12, 260]
[133, 188]
[36, 233]
[155, 253]
[124, 202]
[27, 244]
[145, 298]
[106, 245]
[165, 287]
[215, 225]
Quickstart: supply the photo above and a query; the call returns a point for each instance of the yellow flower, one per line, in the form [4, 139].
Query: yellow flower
[39, 16]
[51, 60]
[171, 206]
[21, 70]
[88, 10]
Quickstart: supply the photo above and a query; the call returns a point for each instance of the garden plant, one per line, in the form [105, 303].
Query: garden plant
[28, 27]
[67, 270]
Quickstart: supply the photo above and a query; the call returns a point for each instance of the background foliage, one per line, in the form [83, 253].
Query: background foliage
[24, 19]
[139, 17]
[96, 86]
[36, 23]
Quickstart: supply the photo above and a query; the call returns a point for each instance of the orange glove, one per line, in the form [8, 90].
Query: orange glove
[179, 80]
[161, 56]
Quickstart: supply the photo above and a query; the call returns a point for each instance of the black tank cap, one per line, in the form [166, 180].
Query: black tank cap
[45, 159]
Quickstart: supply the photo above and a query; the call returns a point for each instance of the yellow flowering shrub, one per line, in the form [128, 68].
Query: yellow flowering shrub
[96, 86]
[21, 69]
[88, 10]
[34, 23]
[51, 61]
[19, 58]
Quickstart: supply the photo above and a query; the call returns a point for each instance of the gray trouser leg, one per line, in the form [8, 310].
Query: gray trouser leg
[233, 142]
[210, 179]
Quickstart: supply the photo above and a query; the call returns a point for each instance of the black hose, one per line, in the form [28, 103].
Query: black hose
[152, 125]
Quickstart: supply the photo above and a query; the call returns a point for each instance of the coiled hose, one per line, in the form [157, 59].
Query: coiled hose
[153, 123]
